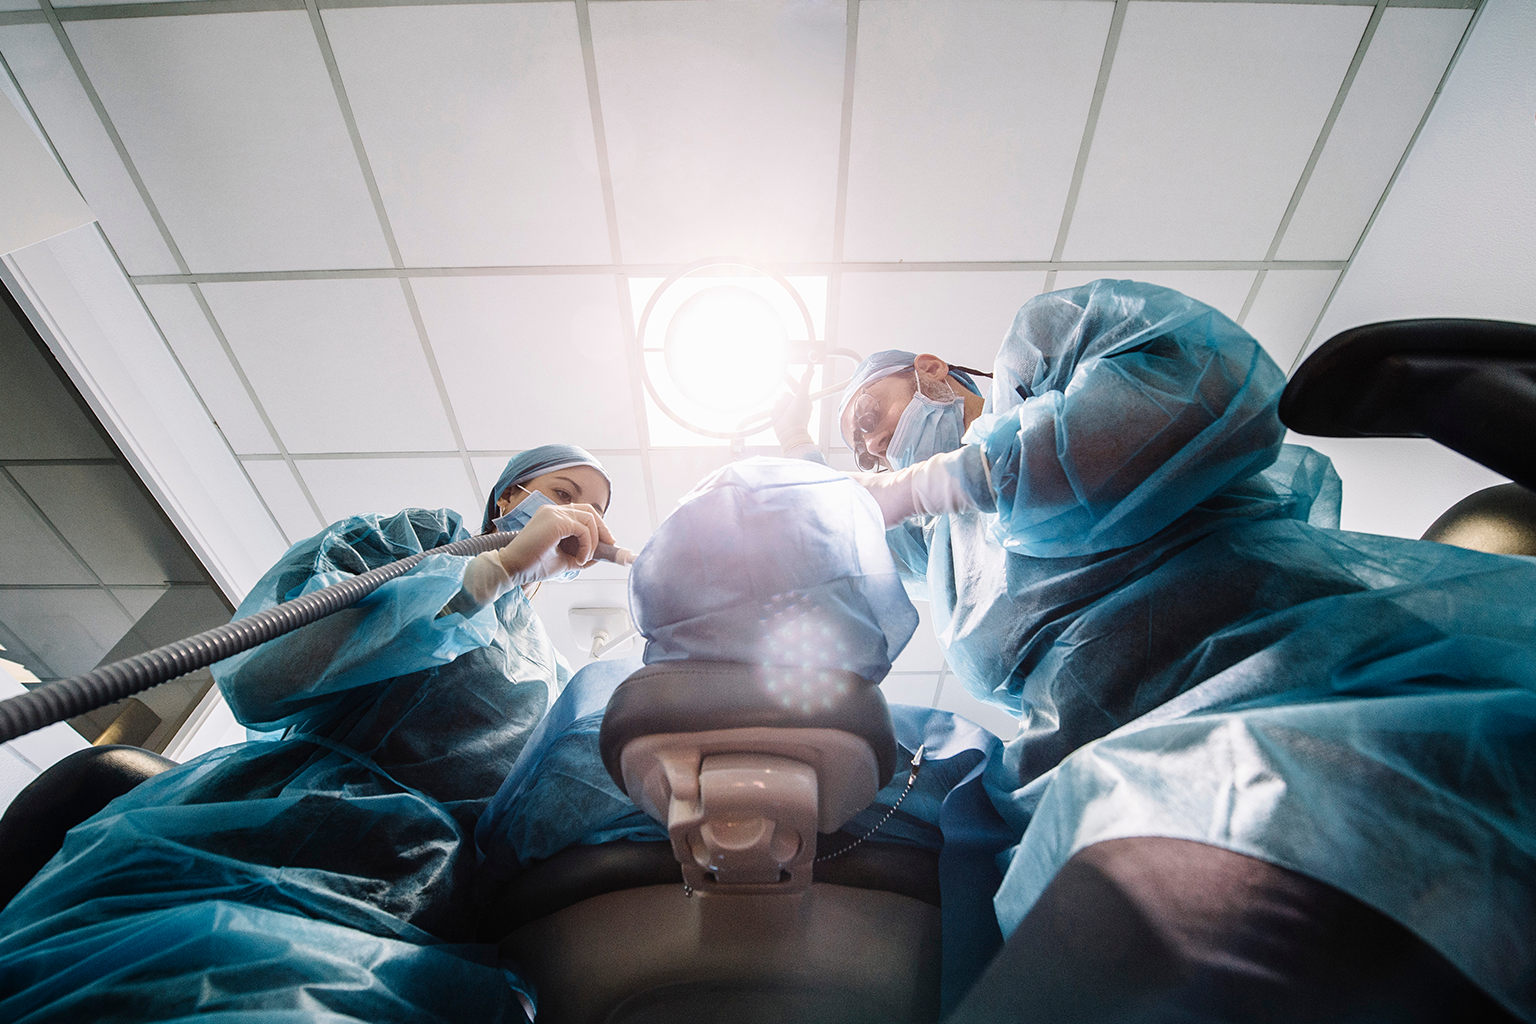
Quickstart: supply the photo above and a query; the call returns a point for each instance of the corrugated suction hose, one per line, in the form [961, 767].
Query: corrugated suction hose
[65, 698]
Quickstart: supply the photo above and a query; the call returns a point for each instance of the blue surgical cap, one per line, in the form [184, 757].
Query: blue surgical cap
[536, 462]
[885, 364]
[778, 562]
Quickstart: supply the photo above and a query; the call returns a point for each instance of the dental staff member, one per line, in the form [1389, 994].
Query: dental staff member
[1332, 729]
[328, 870]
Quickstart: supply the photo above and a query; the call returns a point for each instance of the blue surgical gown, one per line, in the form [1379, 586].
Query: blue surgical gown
[1195, 652]
[328, 870]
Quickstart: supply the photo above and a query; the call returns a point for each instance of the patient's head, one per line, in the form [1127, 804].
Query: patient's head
[773, 562]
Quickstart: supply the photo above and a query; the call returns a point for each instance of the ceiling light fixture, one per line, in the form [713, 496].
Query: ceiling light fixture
[725, 347]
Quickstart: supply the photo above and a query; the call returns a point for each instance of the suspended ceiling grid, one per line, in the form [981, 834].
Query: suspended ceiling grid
[390, 244]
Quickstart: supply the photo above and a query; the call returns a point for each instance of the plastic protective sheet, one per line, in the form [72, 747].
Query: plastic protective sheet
[1357, 708]
[559, 795]
[355, 821]
[773, 562]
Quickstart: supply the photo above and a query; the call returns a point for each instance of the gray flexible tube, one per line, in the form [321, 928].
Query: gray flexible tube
[65, 698]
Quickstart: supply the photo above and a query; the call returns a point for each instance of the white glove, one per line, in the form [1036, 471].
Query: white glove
[537, 552]
[932, 487]
[792, 421]
[534, 554]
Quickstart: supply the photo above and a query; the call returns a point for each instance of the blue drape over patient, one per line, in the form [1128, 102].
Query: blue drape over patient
[323, 868]
[1162, 592]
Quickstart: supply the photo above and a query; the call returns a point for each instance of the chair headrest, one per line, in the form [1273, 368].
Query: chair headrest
[700, 696]
[1500, 520]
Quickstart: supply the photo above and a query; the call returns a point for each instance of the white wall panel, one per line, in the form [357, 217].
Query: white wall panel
[1209, 117]
[1398, 485]
[959, 316]
[94, 322]
[529, 361]
[283, 496]
[1397, 79]
[479, 130]
[967, 117]
[71, 629]
[31, 553]
[60, 103]
[1286, 308]
[722, 123]
[235, 129]
[190, 336]
[1226, 290]
[351, 487]
[338, 365]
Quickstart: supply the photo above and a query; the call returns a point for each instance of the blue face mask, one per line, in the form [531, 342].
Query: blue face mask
[518, 517]
[926, 428]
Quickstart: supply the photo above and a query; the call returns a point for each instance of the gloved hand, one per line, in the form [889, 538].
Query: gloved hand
[948, 482]
[792, 420]
[534, 554]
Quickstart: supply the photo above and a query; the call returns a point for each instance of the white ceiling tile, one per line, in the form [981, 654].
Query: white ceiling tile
[72, 630]
[967, 116]
[674, 471]
[186, 329]
[1456, 236]
[722, 123]
[1226, 290]
[140, 546]
[138, 601]
[479, 131]
[1398, 486]
[32, 395]
[18, 5]
[337, 364]
[31, 553]
[960, 317]
[1396, 81]
[283, 496]
[1210, 115]
[351, 487]
[530, 361]
[60, 103]
[235, 129]
[1286, 308]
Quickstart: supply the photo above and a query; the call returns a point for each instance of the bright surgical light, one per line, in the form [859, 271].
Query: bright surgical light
[727, 349]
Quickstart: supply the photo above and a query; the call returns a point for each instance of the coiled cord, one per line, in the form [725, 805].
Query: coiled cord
[63, 699]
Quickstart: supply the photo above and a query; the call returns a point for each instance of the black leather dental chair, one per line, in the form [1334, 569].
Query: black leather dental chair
[33, 827]
[753, 769]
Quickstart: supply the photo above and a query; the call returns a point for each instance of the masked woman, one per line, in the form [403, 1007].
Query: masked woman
[328, 869]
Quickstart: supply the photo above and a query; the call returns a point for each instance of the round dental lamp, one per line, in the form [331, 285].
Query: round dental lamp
[725, 348]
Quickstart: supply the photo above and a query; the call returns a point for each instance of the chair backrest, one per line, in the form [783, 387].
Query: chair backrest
[1469, 384]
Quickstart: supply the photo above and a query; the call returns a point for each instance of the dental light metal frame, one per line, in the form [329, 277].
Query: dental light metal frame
[753, 423]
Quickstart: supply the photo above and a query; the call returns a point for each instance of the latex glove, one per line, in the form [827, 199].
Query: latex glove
[534, 554]
[948, 482]
[792, 420]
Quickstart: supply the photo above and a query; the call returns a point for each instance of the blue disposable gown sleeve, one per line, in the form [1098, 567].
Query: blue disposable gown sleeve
[391, 632]
[1116, 408]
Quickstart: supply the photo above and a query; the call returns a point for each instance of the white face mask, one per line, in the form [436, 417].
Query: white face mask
[517, 517]
[928, 426]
